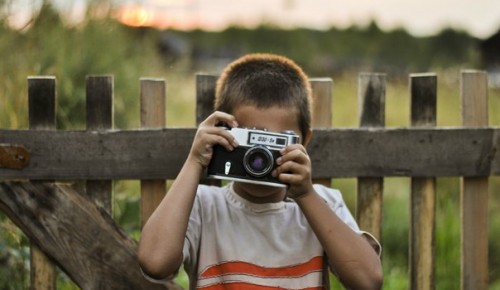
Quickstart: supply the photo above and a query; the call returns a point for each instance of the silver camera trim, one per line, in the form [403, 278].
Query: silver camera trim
[243, 136]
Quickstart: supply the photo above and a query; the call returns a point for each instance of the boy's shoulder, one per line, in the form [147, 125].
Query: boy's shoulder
[331, 196]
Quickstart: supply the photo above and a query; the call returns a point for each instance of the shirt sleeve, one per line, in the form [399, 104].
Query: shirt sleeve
[335, 201]
[164, 281]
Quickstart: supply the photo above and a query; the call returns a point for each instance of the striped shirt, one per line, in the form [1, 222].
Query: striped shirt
[232, 243]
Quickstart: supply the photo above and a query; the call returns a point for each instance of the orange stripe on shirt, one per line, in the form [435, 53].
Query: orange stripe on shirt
[247, 286]
[313, 265]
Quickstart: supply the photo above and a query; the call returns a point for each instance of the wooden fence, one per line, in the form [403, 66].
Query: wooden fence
[154, 154]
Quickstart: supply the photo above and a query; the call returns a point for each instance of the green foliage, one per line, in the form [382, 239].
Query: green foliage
[14, 252]
[98, 47]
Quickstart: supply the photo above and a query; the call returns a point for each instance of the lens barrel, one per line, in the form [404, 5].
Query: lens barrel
[258, 161]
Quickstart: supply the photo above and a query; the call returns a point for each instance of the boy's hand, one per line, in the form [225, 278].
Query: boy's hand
[294, 169]
[209, 134]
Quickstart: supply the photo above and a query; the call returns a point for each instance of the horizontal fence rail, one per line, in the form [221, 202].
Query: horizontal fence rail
[140, 154]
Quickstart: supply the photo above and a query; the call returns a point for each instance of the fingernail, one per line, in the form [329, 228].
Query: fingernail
[235, 143]
[235, 124]
[273, 173]
[279, 160]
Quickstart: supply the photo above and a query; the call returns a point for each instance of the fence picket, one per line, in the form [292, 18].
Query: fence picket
[474, 194]
[322, 110]
[42, 116]
[153, 106]
[205, 95]
[371, 95]
[99, 103]
[423, 93]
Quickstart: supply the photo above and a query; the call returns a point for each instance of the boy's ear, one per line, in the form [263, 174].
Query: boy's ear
[307, 137]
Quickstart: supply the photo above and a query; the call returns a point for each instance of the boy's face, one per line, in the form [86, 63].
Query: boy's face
[274, 119]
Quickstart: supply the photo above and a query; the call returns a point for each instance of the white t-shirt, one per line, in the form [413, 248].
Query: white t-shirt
[232, 243]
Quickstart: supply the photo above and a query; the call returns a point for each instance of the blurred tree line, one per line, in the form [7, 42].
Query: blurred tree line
[341, 50]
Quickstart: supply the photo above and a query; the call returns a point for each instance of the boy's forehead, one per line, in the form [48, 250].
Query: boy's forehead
[274, 118]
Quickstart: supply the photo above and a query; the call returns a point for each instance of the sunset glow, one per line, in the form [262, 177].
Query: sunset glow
[481, 18]
[160, 14]
[134, 15]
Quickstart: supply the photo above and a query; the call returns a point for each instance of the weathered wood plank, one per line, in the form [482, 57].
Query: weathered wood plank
[423, 95]
[159, 154]
[371, 97]
[474, 193]
[98, 255]
[153, 107]
[205, 96]
[42, 102]
[42, 116]
[322, 110]
[99, 103]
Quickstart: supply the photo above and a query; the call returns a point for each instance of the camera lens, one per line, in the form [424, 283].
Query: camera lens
[258, 161]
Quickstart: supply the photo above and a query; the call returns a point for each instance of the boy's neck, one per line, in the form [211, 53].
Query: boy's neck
[259, 193]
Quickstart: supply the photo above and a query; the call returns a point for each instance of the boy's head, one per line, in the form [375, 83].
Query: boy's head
[265, 80]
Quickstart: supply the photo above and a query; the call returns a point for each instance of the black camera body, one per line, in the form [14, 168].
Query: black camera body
[254, 159]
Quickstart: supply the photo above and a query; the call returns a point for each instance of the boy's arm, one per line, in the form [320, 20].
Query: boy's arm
[162, 238]
[350, 255]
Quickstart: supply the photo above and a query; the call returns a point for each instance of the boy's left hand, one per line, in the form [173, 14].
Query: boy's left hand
[294, 169]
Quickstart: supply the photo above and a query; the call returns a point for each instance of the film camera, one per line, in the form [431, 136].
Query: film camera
[252, 161]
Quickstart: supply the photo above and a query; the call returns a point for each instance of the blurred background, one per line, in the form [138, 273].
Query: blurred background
[174, 39]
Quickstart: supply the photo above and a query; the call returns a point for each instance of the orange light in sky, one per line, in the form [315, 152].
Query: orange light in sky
[134, 15]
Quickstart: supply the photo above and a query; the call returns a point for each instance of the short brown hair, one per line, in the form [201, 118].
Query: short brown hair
[265, 80]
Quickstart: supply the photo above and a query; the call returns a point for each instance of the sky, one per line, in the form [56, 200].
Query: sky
[421, 17]
[480, 18]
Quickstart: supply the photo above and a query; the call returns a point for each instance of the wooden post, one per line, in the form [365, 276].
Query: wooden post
[322, 109]
[153, 106]
[474, 191]
[205, 95]
[423, 93]
[371, 95]
[42, 116]
[99, 103]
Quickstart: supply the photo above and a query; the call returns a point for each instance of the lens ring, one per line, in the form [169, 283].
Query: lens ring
[258, 161]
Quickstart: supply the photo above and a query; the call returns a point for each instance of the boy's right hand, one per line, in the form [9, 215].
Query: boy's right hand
[209, 134]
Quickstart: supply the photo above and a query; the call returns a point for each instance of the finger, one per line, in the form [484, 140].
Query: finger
[295, 168]
[219, 131]
[291, 179]
[217, 117]
[295, 156]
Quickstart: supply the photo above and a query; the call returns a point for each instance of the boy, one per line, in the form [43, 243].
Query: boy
[251, 236]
